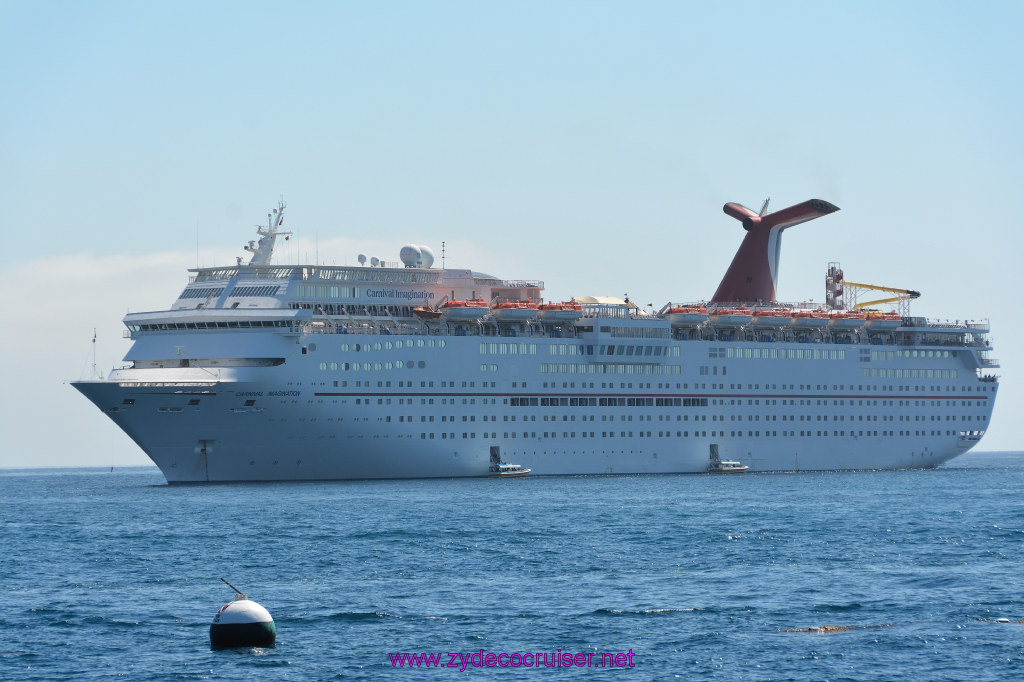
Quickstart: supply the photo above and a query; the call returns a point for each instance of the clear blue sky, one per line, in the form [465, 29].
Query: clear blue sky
[587, 144]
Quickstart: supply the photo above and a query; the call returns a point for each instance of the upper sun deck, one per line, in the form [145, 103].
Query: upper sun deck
[260, 280]
[373, 275]
[331, 286]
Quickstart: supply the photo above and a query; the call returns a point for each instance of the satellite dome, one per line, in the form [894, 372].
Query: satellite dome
[410, 255]
[374, 260]
[426, 257]
[361, 258]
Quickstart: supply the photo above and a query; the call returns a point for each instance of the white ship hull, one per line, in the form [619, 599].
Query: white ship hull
[290, 422]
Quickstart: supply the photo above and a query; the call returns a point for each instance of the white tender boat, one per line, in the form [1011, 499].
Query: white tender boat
[727, 466]
[508, 471]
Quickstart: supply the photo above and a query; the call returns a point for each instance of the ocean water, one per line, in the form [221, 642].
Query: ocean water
[905, 574]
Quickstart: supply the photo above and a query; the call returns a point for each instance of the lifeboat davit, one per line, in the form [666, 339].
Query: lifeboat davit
[772, 318]
[687, 315]
[810, 319]
[879, 320]
[730, 317]
[514, 311]
[846, 319]
[560, 312]
[468, 310]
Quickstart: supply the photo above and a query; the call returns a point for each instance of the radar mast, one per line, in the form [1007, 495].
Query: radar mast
[263, 250]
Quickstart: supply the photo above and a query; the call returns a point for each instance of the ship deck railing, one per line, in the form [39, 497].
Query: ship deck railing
[862, 337]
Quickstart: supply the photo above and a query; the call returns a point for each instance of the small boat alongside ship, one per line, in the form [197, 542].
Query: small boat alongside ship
[727, 466]
[508, 471]
[501, 469]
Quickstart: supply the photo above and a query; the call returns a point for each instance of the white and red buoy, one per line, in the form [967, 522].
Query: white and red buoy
[242, 623]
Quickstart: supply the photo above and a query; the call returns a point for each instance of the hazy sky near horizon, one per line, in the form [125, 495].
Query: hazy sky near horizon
[587, 144]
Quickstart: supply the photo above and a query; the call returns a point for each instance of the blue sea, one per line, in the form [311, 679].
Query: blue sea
[825, 576]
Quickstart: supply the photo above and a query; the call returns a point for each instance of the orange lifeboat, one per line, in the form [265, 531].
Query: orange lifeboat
[879, 320]
[469, 309]
[846, 319]
[560, 312]
[514, 311]
[810, 319]
[730, 317]
[687, 315]
[772, 318]
[425, 312]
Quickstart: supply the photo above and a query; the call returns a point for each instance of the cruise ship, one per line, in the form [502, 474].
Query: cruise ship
[267, 372]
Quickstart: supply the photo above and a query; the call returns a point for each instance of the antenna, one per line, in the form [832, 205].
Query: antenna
[238, 593]
[95, 372]
[231, 586]
[442, 255]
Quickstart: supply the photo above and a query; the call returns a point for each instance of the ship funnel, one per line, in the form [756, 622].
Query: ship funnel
[754, 271]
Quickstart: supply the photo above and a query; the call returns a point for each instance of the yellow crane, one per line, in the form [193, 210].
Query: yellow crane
[842, 293]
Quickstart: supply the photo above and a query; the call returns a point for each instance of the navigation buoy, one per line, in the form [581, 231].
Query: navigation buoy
[242, 623]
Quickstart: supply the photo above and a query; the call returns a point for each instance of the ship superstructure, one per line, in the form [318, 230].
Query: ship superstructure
[260, 371]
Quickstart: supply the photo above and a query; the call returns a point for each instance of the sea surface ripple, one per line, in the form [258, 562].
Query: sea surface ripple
[838, 576]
